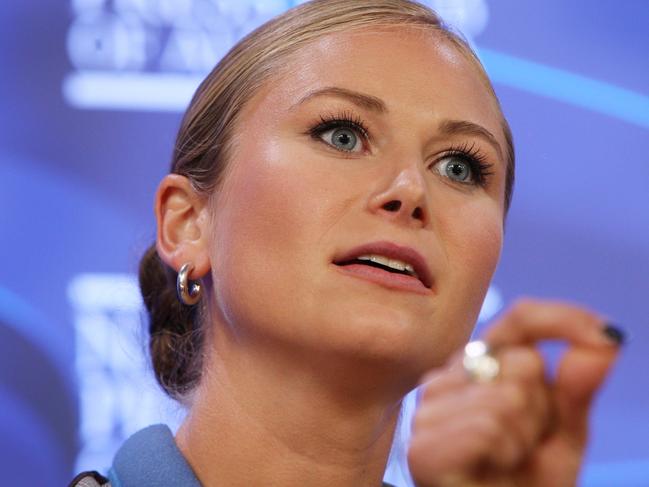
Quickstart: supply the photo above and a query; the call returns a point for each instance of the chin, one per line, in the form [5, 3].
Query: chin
[373, 330]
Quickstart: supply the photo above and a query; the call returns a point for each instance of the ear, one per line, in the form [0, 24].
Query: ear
[182, 216]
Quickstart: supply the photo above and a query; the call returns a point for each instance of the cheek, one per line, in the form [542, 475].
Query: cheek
[482, 244]
[267, 231]
[473, 236]
[268, 196]
[259, 219]
[471, 231]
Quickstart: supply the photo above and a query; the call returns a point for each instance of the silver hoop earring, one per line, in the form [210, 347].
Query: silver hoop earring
[189, 292]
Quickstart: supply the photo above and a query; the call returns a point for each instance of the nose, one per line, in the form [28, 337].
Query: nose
[404, 200]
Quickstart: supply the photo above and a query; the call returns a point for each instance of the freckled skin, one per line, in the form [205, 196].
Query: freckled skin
[291, 202]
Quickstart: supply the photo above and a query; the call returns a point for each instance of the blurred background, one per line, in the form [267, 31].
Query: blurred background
[92, 92]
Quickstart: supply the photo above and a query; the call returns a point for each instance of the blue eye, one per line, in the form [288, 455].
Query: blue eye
[344, 132]
[456, 169]
[342, 138]
[465, 165]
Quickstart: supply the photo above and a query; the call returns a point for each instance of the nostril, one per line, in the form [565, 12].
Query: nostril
[418, 214]
[392, 205]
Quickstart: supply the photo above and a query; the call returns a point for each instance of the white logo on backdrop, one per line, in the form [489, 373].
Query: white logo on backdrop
[150, 55]
[117, 390]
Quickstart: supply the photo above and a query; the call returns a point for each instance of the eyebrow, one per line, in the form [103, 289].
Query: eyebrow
[360, 99]
[447, 127]
[464, 127]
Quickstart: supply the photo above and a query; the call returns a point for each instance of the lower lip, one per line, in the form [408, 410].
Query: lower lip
[386, 279]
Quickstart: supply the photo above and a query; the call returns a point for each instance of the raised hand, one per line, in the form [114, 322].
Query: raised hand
[522, 428]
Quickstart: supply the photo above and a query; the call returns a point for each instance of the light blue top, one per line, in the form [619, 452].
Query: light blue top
[151, 458]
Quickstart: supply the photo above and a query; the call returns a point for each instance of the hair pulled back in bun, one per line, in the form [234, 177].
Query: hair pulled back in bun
[175, 342]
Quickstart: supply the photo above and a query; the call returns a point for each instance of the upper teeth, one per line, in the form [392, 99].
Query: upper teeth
[393, 263]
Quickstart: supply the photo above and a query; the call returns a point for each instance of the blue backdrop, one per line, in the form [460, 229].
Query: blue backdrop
[92, 93]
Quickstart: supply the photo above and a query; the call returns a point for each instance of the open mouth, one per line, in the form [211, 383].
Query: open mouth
[405, 270]
[384, 275]
[385, 272]
[387, 263]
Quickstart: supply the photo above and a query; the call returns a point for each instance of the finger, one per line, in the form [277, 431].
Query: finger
[519, 394]
[529, 321]
[464, 443]
[456, 446]
[583, 367]
[442, 380]
[518, 363]
[522, 409]
[525, 368]
[580, 373]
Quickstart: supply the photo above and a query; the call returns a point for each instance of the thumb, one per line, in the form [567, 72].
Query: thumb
[580, 373]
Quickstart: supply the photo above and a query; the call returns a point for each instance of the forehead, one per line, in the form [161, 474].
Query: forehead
[412, 69]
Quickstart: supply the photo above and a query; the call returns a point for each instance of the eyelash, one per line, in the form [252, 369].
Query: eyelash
[342, 120]
[466, 152]
[472, 155]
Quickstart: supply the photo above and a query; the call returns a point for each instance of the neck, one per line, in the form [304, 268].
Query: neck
[260, 417]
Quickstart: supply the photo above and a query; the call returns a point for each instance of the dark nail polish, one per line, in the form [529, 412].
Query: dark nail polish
[614, 333]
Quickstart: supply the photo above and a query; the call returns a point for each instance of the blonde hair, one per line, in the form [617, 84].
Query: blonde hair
[206, 136]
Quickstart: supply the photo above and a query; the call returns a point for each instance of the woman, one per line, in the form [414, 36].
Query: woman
[326, 237]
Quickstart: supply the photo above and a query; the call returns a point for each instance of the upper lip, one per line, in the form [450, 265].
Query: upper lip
[392, 251]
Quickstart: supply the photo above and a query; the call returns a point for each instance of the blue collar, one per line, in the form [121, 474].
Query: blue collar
[151, 458]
